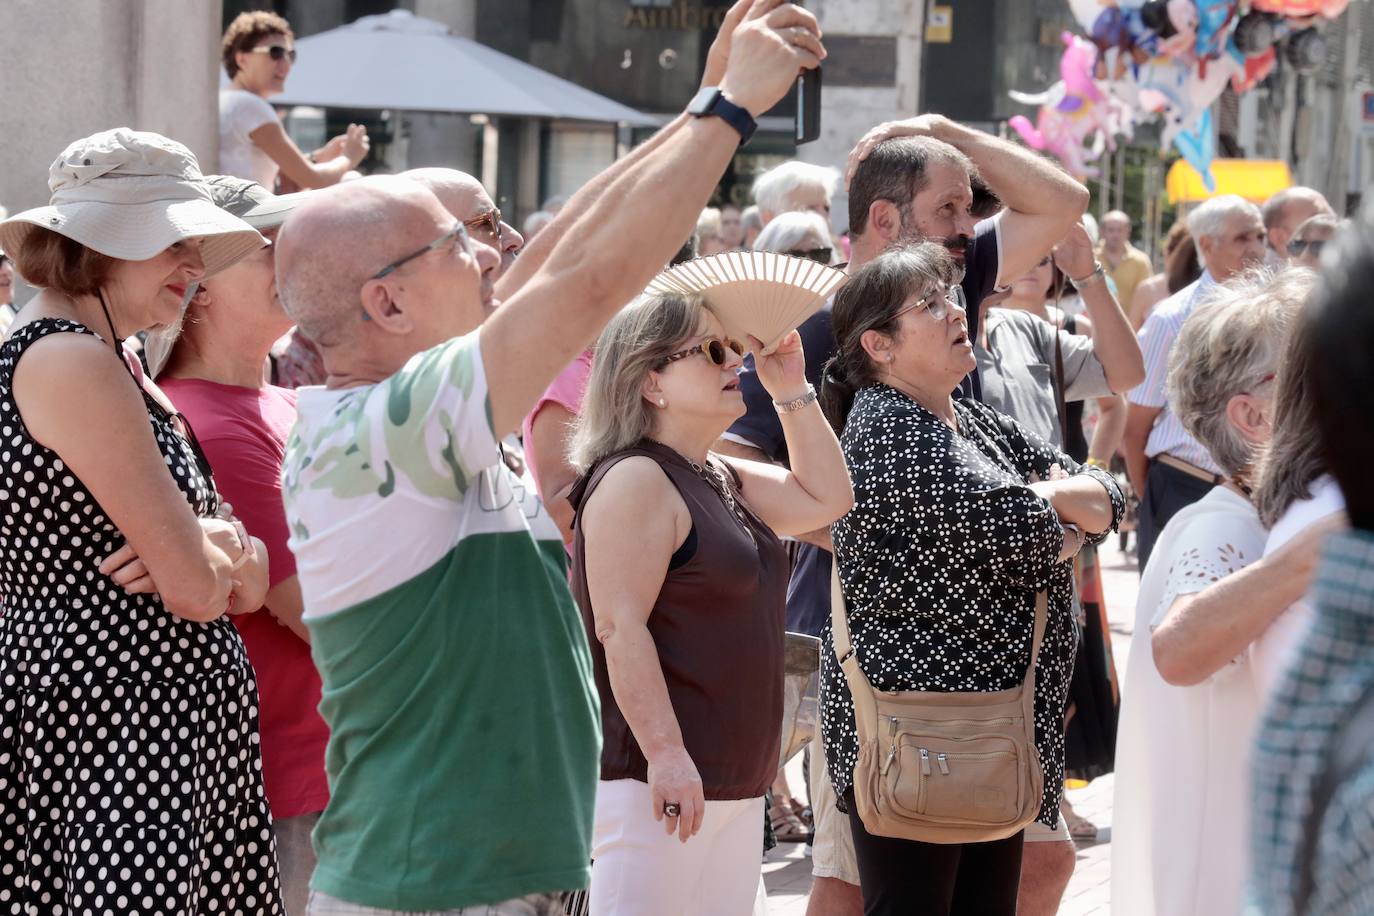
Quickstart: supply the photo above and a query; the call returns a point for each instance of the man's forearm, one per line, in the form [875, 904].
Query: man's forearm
[1114, 341]
[1024, 181]
[533, 256]
[1133, 451]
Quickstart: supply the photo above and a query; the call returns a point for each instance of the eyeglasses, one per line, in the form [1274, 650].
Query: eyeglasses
[489, 222]
[276, 52]
[458, 235]
[712, 347]
[819, 255]
[1298, 246]
[937, 304]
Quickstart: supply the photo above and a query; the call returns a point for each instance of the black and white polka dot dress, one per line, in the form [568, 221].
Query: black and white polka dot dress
[130, 779]
[940, 561]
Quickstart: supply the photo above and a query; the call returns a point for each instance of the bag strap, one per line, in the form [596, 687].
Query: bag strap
[865, 706]
[1059, 387]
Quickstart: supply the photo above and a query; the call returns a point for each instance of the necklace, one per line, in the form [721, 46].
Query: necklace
[716, 480]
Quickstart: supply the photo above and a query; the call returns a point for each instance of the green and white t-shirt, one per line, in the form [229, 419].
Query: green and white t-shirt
[465, 736]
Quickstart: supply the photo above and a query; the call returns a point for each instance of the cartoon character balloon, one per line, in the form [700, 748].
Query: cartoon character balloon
[1077, 119]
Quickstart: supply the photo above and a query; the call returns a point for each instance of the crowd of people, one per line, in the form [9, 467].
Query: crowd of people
[361, 554]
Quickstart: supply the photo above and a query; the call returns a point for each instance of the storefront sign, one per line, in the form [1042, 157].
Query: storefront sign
[684, 15]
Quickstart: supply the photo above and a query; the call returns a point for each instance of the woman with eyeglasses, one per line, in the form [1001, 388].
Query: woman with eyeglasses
[961, 516]
[682, 583]
[800, 233]
[257, 51]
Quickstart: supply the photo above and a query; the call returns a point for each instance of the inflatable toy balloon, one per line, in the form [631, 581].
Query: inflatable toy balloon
[1297, 9]
[1257, 67]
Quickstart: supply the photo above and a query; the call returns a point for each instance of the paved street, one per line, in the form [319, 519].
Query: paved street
[787, 874]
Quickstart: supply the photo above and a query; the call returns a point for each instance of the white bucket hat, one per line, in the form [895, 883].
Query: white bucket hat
[131, 194]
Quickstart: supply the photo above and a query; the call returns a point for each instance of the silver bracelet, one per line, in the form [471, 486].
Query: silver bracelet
[1099, 273]
[796, 404]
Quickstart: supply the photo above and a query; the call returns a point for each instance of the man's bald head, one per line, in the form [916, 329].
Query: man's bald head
[460, 193]
[337, 239]
[1287, 210]
[1116, 231]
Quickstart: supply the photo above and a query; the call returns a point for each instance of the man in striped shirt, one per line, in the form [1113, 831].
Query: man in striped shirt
[1169, 469]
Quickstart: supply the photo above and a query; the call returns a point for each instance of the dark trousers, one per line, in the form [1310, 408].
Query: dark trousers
[1167, 490]
[906, 877]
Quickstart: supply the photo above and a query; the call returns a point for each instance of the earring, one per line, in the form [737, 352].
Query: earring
[890, 357]
[662, 403]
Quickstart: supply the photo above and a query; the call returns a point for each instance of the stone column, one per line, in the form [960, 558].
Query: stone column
[73, 68]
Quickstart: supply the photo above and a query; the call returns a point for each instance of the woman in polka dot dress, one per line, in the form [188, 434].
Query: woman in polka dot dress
[960, 518]
[130, 780]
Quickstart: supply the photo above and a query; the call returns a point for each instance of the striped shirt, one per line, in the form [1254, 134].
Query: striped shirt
[1157, 336]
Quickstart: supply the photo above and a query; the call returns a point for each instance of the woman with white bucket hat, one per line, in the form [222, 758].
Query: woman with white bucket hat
[130, 779]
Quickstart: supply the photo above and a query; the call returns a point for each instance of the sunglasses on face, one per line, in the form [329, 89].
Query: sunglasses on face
[713, 348]
[1298, 246]
[819, 255]
[457, 236]
[937, 304]
[489, 222]
[276, 52]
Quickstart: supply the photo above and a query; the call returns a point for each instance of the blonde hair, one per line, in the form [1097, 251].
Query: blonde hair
[1225, 348]
[615, 414]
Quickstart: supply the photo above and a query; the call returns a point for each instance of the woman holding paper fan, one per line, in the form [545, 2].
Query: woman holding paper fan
[682, 582]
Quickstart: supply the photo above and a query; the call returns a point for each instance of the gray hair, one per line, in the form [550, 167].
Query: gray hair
[1293, 458]
[708, 223]
[615, 414]
[1226, 347]
[775, 187]
[1210, 217]
[749, 218]
[788, 230]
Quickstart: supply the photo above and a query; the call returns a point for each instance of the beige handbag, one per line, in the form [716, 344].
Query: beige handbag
[943, 767]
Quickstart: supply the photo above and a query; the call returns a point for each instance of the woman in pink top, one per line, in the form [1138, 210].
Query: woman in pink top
[213, 367]
[547, 431]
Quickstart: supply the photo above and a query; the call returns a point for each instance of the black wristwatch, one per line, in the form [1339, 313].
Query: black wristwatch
[710, 101]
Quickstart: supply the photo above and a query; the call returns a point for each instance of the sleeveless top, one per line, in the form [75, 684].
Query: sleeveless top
[718, 626]
[130, 777]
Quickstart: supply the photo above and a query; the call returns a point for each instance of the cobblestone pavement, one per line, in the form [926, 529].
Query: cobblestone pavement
[787, 871]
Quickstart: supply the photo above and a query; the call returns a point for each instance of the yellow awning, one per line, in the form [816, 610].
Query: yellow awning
[1253, 179]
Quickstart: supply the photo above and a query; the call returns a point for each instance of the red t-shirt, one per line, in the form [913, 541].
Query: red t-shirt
[243, 432]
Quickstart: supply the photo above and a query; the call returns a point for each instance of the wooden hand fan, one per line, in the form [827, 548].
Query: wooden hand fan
[762, 293]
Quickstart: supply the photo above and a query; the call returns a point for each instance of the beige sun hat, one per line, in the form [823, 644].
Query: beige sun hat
[131, 194]
[250, 202]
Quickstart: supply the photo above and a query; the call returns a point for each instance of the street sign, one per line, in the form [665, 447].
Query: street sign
[940, 25]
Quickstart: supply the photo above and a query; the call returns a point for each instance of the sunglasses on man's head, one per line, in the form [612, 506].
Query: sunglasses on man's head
[1298, 246]
[713, 348]
[819, 255]
[276, 52]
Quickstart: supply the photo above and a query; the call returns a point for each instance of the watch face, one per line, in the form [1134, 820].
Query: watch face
[703, 100]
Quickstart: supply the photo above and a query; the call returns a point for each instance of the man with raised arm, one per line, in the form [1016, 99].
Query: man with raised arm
[463, 754]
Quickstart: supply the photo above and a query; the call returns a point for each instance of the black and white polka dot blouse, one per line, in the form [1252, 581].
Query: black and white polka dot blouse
[940, 561]
[130, 775]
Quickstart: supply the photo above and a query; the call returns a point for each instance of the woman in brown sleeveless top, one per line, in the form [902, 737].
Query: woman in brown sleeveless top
[682, 583]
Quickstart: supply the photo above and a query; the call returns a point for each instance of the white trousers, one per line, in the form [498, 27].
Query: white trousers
[637, 868]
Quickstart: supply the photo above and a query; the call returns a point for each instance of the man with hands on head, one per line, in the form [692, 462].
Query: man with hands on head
[457, 678]
[909, 181]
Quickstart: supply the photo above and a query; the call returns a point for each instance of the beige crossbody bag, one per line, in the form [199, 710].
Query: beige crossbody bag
[943, 767]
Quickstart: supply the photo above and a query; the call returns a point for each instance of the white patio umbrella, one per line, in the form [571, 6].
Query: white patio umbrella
[400, 61]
